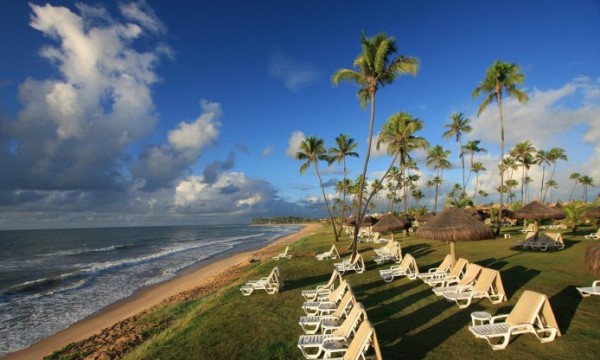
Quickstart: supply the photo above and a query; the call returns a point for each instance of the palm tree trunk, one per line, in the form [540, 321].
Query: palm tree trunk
[499, 219]
[342, 213]
[475, 188]
[542, 186]
[462, 159]
[573, 191]
[360, 213]
[469, 176]
[522, 178]
[326, 203]
[551, 177]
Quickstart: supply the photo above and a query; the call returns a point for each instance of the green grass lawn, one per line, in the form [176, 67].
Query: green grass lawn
[410, 321]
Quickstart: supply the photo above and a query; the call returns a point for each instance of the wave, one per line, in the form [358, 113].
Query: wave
[85, 251]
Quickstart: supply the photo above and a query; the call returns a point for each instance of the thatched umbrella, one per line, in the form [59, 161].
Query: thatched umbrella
[593, 213]
[453, 225]
[537, 210]
[390, 223]
[592, 258]
[428, 216]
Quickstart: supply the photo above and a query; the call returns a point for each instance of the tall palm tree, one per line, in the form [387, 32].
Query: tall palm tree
[554, 155]
[345, 147]
[586, 181]
[312, 149]
[477, 167]
[541, 159]
[523, 154]
[471, 148]
[501, 77]
[457, 128]
[374, 67]
[437, 158]
[398, 133]
[527, 180]
[575, 177]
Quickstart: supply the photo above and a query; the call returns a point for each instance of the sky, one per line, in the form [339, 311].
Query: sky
[132, 113]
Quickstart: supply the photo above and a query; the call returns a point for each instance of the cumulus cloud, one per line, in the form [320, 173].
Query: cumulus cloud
[294, 143]
[294, 74]
[213, 170]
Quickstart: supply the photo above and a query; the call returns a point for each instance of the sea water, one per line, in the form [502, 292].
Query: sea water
[50, 279]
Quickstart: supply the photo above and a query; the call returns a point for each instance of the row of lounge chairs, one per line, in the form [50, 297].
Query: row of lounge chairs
[336, 325]
[544, 241]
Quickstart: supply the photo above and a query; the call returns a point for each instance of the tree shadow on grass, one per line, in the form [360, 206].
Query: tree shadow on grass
[373, 299]
[516, 278]
[564, 304]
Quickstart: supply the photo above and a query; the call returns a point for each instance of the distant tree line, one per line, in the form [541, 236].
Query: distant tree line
[282, 220]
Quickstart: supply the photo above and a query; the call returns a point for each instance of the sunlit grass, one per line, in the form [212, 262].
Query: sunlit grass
[411, 322]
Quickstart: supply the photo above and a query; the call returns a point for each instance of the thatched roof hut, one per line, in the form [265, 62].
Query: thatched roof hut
[538, 210]
[592, 258]
[453, 225]
[390, 223]
[593, 213]
[428, 216]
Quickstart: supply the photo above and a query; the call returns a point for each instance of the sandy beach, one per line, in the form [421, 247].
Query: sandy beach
[206, 275]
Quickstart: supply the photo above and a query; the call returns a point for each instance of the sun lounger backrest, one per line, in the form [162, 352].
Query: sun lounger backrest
[446, 263]
[338, 292]
[526, 309]
[345, 303]
[471, 274]
[334, 275]
[360, 341]
[458, 267]
[485, 280]
[350, 323]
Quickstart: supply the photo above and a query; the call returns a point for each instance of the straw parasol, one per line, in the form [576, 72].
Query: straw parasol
[592, 258]
[390, 223]
[428, 216]
[537, 210]
[453, 225]
[593, 213]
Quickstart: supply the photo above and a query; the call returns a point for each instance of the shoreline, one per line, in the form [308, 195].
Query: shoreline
[148, 297]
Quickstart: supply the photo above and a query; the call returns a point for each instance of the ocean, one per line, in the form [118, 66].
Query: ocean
[50, 279]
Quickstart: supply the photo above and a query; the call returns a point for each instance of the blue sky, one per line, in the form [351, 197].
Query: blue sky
[135, 113]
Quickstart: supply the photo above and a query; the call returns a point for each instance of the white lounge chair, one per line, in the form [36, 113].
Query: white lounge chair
[531, 314]
[331, 254]
[551, 241]
[453, 284]
[271, 284]
[313, 345]
[364, 339]
[393, 254]
[488, 285]
[594, 236]
[442, 269]
[326, 304]
[443, 279]
[357, 264]
[386, 249]
[529, 241]
[529, 228]
[408, 267]
[312, 324]
[325, 289]
[590, 290]
[285, 254]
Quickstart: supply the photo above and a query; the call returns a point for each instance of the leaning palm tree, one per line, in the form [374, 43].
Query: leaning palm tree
[345, 147]
[523, 154]
[551, 184]
[554, 155]
[471, 148]
[477, 168]
[437, 158]
[457, 128]
[312, 149]
[398, 133]
[374, 68]
[501, 77]
[575, 177]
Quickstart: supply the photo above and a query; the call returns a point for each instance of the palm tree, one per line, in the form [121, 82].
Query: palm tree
[374, 69]
[550, 184]
[312, 149]
[554, 155]
[437, 158]
[457, 128]
[501, 77]
[510, 184]
[586, 181]
[471, 147]
[345, 147]
[477, 167]
[575, 177]
[527, 180]
[523, 153]
[398, 133]
[541, 159]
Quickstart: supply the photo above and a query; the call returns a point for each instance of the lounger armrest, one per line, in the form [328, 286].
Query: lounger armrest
[493, 319]
[463, 288]
[334, 339]
[596, 283]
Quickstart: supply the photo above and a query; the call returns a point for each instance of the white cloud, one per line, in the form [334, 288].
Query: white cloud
[295, 75]
[200, 133]
[266, 151]
[294, 143]
[140, 12]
